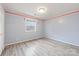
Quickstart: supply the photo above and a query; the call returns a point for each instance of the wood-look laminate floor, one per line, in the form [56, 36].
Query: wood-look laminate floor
[41, 47]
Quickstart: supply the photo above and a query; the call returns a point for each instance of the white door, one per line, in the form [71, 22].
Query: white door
[1, 29]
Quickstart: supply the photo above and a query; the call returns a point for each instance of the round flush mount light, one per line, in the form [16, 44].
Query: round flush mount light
[41, 9]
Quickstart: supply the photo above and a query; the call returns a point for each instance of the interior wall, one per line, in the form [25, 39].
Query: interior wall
[65, 29]
[15, 30]
[1, 29]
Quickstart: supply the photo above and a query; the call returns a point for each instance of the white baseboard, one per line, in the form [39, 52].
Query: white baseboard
[2, 50]
[22, 41]
[62, 41]
[51, 38]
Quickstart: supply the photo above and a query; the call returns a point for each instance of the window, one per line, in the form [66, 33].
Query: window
[30, 25]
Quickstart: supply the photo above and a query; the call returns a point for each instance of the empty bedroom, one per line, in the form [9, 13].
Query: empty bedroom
[39, 29]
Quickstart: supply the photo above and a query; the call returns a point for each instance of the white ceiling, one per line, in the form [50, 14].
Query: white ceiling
[53, 9]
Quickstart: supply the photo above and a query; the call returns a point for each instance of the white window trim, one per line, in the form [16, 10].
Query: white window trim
[30, 20]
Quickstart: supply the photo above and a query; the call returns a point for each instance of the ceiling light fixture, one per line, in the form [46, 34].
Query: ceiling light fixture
[42, 9]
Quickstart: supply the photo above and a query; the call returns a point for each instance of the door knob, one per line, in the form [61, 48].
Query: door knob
[1, 34]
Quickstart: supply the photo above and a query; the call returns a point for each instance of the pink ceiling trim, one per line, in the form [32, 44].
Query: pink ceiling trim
[21, 14]
[66, 14]
[29, 16]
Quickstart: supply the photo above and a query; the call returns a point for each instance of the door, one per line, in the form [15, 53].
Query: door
[1, 29]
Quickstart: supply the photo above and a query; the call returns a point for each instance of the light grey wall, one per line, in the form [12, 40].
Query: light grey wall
[1, 29]
[65, 29]
[15, 30]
